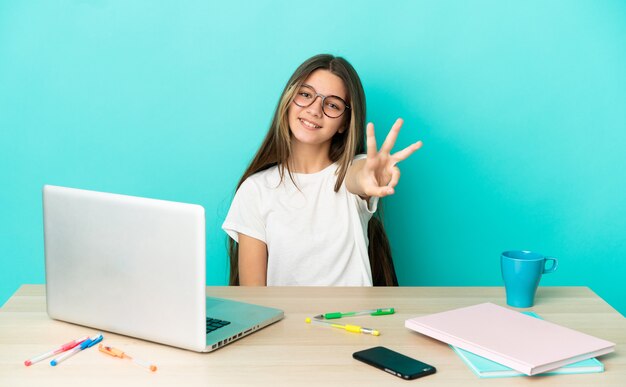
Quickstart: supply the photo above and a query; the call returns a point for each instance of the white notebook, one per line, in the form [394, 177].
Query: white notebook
[518, 341]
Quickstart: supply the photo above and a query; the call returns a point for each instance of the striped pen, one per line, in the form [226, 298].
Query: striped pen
[63, 348]
[122, 355]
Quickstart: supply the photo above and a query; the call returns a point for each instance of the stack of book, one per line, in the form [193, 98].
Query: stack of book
[486, 368]
[498, 342]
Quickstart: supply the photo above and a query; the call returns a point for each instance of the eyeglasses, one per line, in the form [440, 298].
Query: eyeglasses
[332, 106]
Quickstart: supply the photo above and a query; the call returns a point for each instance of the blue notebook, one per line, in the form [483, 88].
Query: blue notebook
[486, 368]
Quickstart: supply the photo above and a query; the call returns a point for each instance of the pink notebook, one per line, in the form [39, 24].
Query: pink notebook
[518, 341]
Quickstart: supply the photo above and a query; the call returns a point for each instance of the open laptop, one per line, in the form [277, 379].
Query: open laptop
[136, 267]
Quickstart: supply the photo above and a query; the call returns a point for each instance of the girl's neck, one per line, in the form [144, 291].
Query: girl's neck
[306, 158]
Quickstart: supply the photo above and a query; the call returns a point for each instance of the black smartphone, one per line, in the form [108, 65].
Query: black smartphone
[395, 363]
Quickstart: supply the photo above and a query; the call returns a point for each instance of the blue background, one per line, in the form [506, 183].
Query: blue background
[521, 107]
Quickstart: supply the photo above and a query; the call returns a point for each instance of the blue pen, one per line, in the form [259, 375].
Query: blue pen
[90, 342]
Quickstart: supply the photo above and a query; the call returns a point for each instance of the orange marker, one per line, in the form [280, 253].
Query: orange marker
[118, 353]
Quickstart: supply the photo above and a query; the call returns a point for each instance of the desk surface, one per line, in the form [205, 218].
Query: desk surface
[292, 352]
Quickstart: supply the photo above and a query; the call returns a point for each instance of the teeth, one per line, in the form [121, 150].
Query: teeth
[310, 124]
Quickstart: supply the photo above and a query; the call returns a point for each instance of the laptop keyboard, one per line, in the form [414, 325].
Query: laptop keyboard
[213, 324]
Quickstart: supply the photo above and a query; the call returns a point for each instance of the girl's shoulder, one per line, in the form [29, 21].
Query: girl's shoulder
[266, 178]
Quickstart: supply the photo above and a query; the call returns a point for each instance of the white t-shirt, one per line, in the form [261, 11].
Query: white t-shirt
[314, 236]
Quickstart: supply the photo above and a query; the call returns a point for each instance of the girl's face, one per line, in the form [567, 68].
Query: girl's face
[309, 125]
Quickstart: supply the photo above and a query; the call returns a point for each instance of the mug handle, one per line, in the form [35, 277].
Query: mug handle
[555, 264]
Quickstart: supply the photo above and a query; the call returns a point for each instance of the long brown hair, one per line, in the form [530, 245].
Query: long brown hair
[276, 149]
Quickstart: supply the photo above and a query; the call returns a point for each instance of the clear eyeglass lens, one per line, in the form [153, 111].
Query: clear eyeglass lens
[333, 106]
[305, 96]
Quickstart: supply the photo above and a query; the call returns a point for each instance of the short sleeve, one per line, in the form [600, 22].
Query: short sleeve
[370, 206]
[244, 215]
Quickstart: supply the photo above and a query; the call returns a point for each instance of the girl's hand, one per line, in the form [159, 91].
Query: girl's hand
[380, 173]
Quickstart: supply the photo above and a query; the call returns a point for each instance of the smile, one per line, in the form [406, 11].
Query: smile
[309, 124]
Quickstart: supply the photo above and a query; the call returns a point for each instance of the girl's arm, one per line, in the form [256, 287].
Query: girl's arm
[352, 182]
[252, 261]
[378, 174]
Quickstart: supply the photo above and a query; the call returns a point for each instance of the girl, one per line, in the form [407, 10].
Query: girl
[303, 210]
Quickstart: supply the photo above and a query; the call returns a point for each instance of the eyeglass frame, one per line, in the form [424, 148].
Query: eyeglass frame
[323, 99]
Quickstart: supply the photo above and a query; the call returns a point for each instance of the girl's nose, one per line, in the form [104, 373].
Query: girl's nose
[316, 107]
